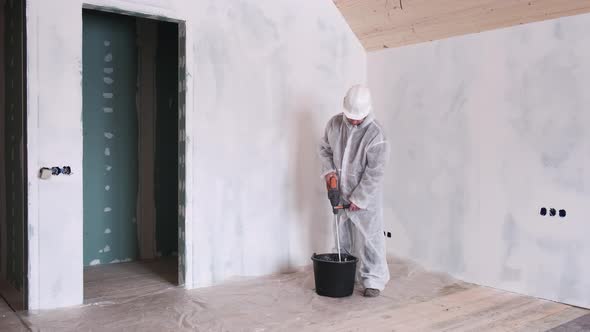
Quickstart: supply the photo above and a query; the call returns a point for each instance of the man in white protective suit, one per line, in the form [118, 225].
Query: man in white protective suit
[355, 150]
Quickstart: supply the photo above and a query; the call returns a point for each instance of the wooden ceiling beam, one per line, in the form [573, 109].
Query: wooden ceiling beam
[392, 23]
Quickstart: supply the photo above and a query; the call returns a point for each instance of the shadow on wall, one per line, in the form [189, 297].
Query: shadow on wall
[311, 225]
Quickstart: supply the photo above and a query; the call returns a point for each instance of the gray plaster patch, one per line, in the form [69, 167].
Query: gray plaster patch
[326, 69]
[547, 113]
[510, 235]
[257, 25]
[570, 281]
[321, 24]
[558, 30]
[56, 288]
[213, 51]
[432, 201]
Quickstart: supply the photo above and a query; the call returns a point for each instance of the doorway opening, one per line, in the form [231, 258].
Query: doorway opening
[13, 155]
[133, 152]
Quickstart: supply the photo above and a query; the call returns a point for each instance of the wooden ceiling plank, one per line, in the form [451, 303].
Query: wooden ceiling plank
[382, 23]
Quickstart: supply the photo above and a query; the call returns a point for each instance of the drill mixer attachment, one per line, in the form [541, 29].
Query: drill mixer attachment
[334, 197]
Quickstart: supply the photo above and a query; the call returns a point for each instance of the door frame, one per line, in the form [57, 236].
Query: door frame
[18, 299]
[184, 234]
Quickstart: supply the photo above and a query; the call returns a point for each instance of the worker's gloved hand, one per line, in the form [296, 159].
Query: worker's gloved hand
[353, 207]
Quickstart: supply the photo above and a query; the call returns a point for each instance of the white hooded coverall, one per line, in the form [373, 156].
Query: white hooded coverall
[358, 155]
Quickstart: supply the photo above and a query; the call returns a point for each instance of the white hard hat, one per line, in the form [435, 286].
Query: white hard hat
[358, 102]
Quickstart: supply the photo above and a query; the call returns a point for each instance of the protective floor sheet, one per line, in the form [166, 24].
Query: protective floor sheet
[414, 300]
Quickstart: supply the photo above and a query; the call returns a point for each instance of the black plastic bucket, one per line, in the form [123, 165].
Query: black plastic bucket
[332, 277]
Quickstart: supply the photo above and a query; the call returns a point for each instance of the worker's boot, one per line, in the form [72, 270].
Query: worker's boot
[371, 292]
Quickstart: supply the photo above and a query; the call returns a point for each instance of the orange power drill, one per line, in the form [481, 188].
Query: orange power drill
[334, 195]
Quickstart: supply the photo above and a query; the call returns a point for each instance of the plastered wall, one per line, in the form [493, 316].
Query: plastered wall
[487, 129]
[263, 76]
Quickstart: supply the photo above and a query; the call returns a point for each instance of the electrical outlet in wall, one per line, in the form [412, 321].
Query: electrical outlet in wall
[552, 212]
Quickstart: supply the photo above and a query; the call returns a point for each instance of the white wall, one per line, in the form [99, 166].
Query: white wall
[263, 77]
[486, 129]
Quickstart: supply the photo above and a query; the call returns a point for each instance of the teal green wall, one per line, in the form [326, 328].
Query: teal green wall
[166, 177]
[110, 138]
